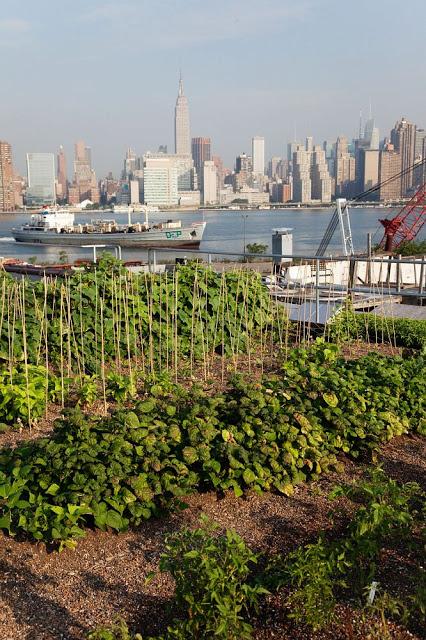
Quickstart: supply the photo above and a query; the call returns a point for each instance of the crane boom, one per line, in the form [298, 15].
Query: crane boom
[407, 223]
[339, 217]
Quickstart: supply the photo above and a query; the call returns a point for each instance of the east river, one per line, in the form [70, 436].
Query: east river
[225, 230]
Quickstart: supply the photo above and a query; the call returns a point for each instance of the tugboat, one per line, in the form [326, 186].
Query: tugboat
[57, 226]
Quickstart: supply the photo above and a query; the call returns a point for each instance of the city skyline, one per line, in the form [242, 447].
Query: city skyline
[67, 81]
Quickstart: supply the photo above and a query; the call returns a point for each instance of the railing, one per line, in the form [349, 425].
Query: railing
[392, 283]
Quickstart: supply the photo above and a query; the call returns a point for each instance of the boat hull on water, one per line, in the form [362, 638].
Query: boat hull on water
[184, 237]
[57, 227]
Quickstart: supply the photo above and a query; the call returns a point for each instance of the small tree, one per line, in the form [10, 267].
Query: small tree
[257, 248]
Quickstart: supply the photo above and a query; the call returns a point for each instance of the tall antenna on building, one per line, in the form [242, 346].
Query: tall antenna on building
[360, 125]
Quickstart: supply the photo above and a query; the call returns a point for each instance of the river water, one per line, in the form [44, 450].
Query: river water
[225, 231]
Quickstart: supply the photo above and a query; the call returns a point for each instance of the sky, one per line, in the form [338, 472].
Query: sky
[107, 72]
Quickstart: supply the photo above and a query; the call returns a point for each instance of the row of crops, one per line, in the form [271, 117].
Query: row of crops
[114, 471]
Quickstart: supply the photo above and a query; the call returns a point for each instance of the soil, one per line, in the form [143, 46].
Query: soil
[45, 595]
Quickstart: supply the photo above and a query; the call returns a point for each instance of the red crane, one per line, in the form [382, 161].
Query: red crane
[407, 223]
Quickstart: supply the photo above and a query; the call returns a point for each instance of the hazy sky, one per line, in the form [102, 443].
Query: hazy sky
[108, 71]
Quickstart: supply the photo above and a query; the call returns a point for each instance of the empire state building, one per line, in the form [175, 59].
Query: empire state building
[182, 134]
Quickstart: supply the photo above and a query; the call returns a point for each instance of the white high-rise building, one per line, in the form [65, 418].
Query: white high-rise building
[41, 179]
[209, 182]
[258, 155]
[134, 191]
[160, 182]
[182, 129]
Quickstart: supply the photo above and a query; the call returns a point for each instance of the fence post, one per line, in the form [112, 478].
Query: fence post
[317, 293]
[398, 274]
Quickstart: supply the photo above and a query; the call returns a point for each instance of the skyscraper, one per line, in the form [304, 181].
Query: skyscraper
[7, 199]
[320, 177]
[371, 136]
[160, 181]
[345, 169]
[389, 165]
[62, 174]
[420, 157]
[41, 179]
[201, 153]
[403, 138]
[301, 175]
[258, 155]
[182, 130]
[210, 182]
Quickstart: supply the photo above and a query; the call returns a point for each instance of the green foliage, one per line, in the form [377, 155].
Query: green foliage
[23, 393]
[117, 470]
[87, 389]
[382, 606]
[309, 572]
[211, 574]
[212, 577]
[315, 573]
[107, 315]
[403, 332]
[120, 387]
[387, 511]
[414, 248]
[119, 631]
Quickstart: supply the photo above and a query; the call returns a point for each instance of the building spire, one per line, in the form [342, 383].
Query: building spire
[180, 84]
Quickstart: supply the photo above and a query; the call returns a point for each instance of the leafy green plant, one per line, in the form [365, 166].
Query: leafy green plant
[87, 389]
[118, 631]
[403, 332]
[129, 465]
[387, 510]
[310, 573]
[382, 605]
[211, 574]
[23, 393]
[120, 387]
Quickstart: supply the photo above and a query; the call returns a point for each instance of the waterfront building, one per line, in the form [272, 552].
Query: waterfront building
[403, 138]
[302, 185]
[368, 170]
[182, 129]
[209, 182]
[201, 152]
[320, 177]
[189, 199]
[123, 193]
[134, 191]
[419, 177]
[252, 196]
[345, 169]
[258, 155]
[220, 171]
[40, 179]
[389, 166]
[280, 192]
[160, 181]
[62, 191]
[18, 191]
[7, 199]
[243, 171]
